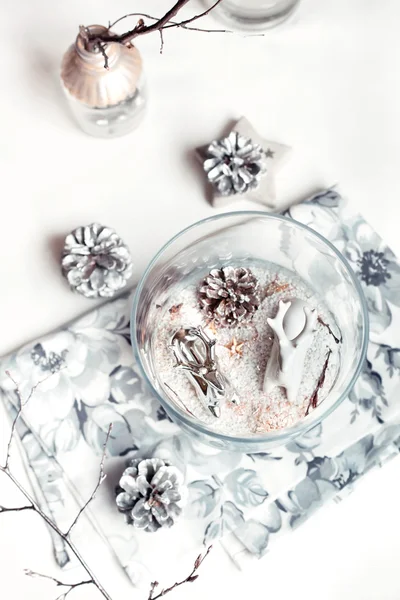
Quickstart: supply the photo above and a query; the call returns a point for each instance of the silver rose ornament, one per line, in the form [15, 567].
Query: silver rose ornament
[95, 261]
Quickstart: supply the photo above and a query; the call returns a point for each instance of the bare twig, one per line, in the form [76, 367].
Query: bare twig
[100, 480]
[15, 509]
[33, 505]
[180, 401]
[70, 586]
[65, 536]
[313, 403]
[189, 579]
[328, 327]
[55, 528]
[96, 41]
[19, 411]
[104, 53]
[160, 31]
[199, 16]
[174, 23]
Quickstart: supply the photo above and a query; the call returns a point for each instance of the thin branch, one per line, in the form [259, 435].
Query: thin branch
[33, 505]
[70, 586]
[21, 406]
[313, 403]
[174, 23]
[139, 29]
[96, 41]
[100, 480]
[160, 31]
[328, 327]
[180, 401]
[55, 528]
[102, 49]
[189, 579]
[199, 16]
[16, 509]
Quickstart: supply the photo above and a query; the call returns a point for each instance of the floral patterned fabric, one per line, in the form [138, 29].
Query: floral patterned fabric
[246, 501]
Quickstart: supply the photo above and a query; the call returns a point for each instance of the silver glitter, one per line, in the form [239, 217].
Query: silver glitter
[95, 261]
[234, 164]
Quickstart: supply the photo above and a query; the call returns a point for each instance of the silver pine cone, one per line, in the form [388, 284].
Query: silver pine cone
[229, 295]
[234, 164]
[95, 261]
[149, 494]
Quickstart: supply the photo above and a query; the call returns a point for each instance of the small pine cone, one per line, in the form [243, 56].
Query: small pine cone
[149, 494]
[229, 295]
[96, 262]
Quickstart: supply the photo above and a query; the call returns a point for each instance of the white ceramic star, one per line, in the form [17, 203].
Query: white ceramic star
[264, 193]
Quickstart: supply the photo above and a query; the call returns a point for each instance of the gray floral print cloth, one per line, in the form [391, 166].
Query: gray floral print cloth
[246, 501]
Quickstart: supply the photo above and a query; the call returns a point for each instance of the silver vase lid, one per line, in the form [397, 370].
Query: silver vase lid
[87, 80]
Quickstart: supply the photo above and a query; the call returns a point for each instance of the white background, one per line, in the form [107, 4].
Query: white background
[327, 84]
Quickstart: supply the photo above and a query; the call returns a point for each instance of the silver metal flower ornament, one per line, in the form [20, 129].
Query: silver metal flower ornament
[95, 261]
[150, 494]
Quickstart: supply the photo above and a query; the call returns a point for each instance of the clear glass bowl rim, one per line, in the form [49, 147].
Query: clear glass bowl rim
[302, 426]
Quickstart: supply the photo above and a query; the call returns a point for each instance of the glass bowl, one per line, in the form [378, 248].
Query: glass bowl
[245, 237]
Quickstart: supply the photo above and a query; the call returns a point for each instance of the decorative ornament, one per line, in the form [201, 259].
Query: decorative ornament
[150, 494]
[293, 329]
[242, 165]
[235, 348]
[235, 164]
[229, 295]
[195, 354]
[95, 261]
[106, 102]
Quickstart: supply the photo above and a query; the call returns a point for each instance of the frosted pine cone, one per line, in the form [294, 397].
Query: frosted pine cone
[234, 164]
[149, 494]
[229, 295]
[96, 261]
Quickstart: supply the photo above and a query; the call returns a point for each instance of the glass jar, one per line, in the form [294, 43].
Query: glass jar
[105, 102]
[231, 239]
[254, 14]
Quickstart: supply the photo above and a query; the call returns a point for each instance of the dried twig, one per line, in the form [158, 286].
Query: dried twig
[96, 41]
[65, 536]
[189, 579]
[70, 586]
[328, 327]
[172, 23]
[313, 403]
[104, 53]
[33, 505]
[21, 406]
[100, 480]
[178, 399]
[161, 40]
[15, 509]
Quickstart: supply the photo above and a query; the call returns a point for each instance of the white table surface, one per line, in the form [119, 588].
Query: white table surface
[327, 84]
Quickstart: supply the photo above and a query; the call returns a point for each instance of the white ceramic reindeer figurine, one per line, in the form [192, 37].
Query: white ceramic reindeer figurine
[293, 329]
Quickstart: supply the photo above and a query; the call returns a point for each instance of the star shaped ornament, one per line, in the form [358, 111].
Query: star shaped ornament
[242, 165]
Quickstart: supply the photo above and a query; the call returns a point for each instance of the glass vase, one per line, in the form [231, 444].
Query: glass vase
[251, 237]
[106, 102]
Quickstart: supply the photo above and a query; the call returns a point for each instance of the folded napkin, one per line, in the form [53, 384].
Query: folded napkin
[246, 501]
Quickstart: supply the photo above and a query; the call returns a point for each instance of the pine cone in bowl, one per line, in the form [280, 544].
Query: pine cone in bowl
[229, 295]
[150, 494]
